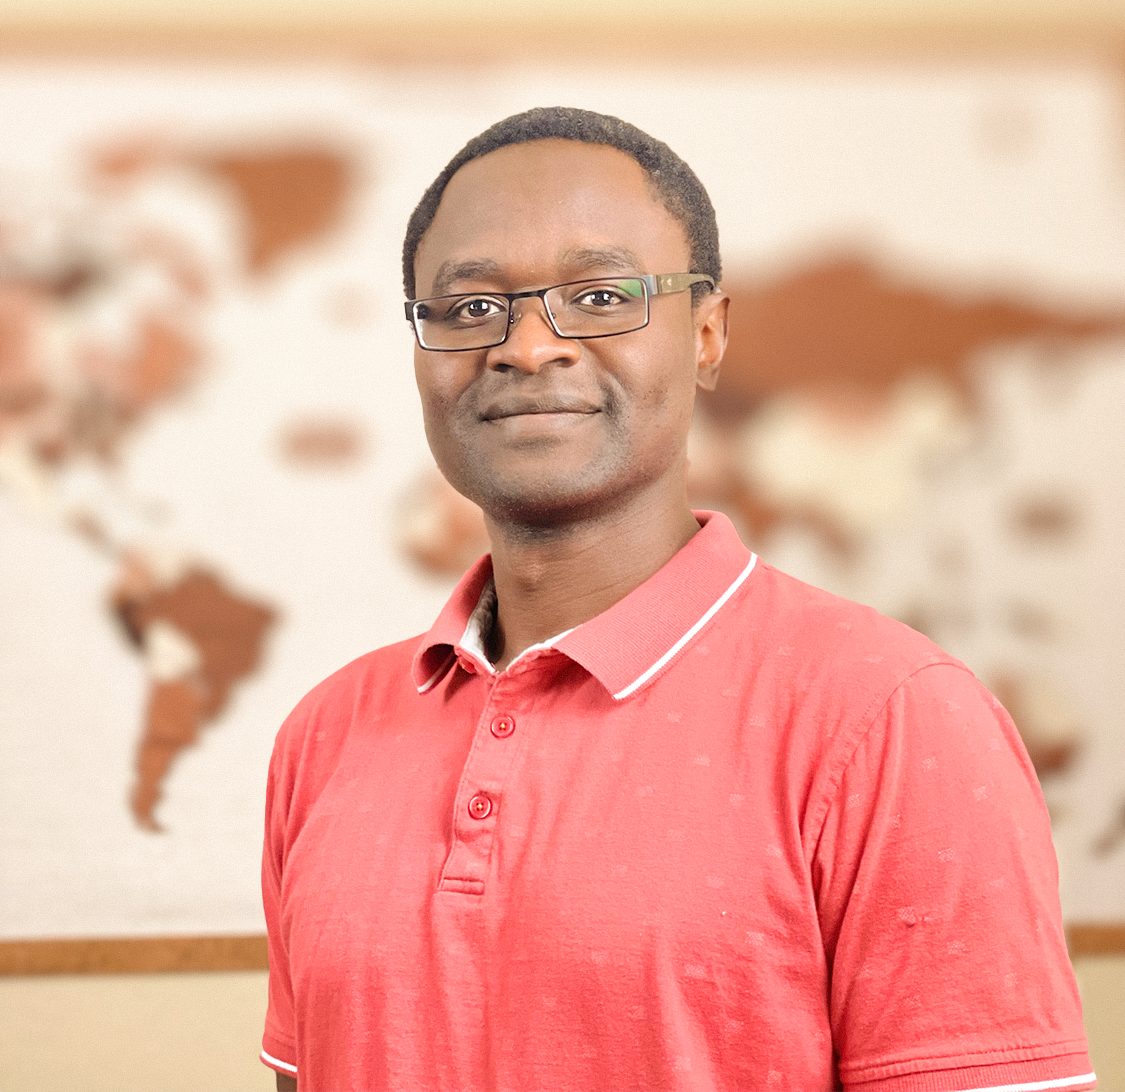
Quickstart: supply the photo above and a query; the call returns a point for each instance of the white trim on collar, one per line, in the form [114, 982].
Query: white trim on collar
[641, 679]
[443, 667]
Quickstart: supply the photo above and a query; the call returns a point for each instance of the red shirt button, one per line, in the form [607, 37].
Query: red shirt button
[480, 807]
[503, 726]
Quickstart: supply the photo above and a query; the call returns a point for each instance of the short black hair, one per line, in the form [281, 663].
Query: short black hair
[673, 181]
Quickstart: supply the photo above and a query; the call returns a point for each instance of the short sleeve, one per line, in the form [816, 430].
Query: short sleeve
[279, 1046]
[937, 890]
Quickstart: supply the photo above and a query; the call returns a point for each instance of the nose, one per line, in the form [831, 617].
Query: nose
[532, 341]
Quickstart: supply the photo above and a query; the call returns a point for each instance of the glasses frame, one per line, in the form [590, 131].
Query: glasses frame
[654, 284]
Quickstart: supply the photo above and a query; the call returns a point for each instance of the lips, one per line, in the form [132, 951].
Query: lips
[521, 406]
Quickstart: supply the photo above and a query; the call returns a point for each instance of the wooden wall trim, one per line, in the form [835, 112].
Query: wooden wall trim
[133, 955]
[1096, 938]
[148, 955]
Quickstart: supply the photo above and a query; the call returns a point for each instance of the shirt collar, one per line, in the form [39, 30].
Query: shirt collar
[624, 647]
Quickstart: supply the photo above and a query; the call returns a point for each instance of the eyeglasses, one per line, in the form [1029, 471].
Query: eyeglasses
[580, 309]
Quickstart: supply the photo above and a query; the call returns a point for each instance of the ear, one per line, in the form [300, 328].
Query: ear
[710, 338]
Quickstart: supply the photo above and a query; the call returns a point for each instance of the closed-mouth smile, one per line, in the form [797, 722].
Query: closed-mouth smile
[504, 409]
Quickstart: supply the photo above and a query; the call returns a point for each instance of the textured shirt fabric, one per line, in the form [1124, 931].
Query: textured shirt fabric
[734, 833]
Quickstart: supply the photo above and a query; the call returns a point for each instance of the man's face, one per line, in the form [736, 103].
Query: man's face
[543, 429]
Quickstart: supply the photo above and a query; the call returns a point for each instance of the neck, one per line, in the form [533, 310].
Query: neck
[548, 581]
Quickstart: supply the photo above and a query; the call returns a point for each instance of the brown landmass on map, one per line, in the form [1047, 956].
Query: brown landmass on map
[121, 388]
[176, 258]
[441, 531]
[846, 334]
[88, 398]
[322, 443]
[1113, 837]
[22, 391]
[107, 391]
[1052, 741]
[1045, 519]
[227, 630]
[288, 197]
[845, 323]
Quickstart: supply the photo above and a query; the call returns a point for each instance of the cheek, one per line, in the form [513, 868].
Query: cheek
[436, 416]
[664, 383]
[439, 384]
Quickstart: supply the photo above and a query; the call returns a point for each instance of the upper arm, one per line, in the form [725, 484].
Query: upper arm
[286, 1083]
[937, 889]
[279, 1040]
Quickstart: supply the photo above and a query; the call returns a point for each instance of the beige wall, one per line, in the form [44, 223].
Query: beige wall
[788, 12]
[133, 1033]
[175, 1033]
[1102, 982]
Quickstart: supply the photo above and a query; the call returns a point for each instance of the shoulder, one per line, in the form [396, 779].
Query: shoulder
[824, 670]
[363, 691]
[829, 620]
[848, 681]
[822, 642]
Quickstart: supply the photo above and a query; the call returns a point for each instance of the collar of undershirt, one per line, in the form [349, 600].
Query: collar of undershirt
[625, 647]
[474, 641]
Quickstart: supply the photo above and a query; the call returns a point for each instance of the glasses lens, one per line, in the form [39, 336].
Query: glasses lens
[613, 305]
[461, 322]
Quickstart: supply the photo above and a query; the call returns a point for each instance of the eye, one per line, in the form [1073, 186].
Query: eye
[475, 309]
[602, 296]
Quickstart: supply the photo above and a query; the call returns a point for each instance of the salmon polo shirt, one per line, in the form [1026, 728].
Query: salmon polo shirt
[732, 834]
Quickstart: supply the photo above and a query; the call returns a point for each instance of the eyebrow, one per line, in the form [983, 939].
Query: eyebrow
[577, 261]
[450, 272]
[619, 259]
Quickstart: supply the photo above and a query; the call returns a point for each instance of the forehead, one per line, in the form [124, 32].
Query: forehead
[533, 213]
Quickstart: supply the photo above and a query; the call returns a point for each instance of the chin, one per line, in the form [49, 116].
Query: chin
[544, 503]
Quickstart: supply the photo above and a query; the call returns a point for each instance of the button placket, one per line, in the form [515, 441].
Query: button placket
[479, 803]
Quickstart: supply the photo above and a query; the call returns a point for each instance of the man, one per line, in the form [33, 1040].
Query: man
[639, 811]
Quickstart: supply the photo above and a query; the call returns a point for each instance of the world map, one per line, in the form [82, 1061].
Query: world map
[212, 467]
[198, 637]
